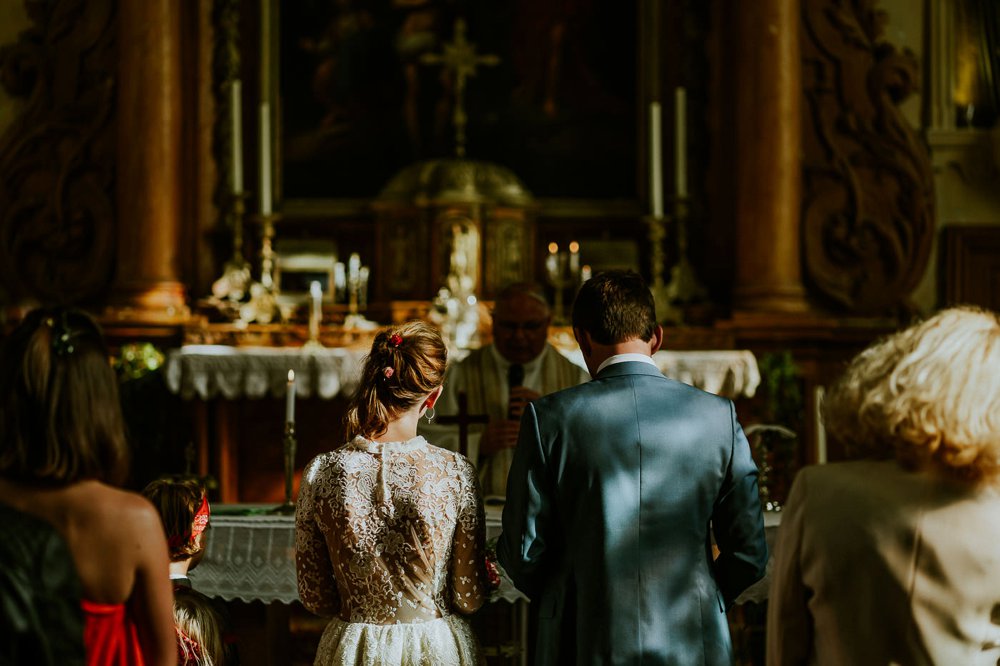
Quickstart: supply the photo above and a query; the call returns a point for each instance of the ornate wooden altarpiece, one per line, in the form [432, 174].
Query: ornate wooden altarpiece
[814, 254]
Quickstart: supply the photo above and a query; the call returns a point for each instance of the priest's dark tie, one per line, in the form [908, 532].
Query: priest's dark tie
[515, 377]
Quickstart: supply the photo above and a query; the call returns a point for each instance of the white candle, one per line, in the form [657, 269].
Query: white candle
[353, 269]
[680, 143]
[585, 273]
[316, 291]
[363, 274]
[574, 258]
[655, 160]
[265, 159]
[236, 107]
[290, 398]
[339, 281]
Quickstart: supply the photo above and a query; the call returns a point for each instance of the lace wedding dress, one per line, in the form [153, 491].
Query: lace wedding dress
[390, 542]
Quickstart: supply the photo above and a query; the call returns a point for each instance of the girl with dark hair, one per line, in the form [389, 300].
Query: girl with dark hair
[62, 452]
[389, 529]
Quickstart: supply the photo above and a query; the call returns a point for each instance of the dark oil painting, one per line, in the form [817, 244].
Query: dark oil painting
[358, 103]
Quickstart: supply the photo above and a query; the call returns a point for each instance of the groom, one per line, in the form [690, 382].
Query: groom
[613, 490]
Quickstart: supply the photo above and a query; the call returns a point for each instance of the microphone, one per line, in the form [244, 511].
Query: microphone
[515, 377]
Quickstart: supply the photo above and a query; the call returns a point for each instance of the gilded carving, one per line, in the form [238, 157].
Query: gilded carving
[57, 214]
[868, 196]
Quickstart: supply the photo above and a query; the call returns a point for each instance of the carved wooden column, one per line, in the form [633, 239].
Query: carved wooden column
[147, 284]
[769, 180]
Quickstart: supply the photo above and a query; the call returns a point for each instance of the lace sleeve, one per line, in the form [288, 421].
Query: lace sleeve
[313, 568]
[468, 554]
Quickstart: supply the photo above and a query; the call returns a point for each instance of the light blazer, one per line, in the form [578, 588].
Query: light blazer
[878, 565]
[610, 496]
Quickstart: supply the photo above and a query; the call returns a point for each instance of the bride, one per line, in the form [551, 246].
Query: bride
[389, 529]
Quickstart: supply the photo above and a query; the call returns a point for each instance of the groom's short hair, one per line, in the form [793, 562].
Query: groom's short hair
[615, 306]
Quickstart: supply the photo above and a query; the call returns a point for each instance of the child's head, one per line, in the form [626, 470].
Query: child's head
[184, 511]
[198, 627]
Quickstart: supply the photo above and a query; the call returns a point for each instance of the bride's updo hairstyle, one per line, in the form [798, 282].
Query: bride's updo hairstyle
[405, 364]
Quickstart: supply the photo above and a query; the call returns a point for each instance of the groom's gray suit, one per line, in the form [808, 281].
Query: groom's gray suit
[614, 487]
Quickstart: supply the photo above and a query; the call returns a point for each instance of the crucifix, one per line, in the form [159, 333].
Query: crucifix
[463, 420]
[460, 57]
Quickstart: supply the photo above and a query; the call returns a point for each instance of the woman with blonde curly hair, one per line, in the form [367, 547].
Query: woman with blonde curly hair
[895, 559]
[390, 529]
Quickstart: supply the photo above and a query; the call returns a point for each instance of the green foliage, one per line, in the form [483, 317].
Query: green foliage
[137, 360]
[773, 442]
[782, 390]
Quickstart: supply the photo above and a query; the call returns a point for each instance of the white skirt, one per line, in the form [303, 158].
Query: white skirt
[445, 641]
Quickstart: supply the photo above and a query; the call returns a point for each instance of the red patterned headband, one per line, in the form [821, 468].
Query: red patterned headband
[198, 525]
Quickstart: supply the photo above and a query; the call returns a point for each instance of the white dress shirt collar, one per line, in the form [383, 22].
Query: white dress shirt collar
[624, 358]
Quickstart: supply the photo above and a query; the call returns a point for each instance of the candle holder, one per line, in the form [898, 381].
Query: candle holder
[235, 280]
[263, 305]
[684, 287]
[289, 446]
[665, 310]
[357, 294]
[560, 275]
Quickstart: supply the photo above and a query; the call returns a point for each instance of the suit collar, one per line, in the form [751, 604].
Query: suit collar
[629, 368]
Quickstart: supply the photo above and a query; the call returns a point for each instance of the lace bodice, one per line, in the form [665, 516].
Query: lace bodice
[390, 532]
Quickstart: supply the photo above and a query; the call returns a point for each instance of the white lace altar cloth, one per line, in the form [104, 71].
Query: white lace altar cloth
[207, 371]
[249, 557]
[252, 557]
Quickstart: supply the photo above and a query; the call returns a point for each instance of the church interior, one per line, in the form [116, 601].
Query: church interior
[239, 188]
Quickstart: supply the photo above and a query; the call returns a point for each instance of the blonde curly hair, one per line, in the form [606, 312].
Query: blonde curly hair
[928, 395]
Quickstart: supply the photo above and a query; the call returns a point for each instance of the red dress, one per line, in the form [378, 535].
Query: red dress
[109, 635]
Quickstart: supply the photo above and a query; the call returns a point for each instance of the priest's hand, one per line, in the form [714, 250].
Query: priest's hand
[499, 434]
[520, 396]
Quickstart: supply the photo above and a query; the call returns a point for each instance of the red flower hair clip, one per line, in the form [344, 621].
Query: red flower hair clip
[395, 339]
[388, 372]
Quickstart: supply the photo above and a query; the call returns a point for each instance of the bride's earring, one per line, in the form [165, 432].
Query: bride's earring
[430, 414]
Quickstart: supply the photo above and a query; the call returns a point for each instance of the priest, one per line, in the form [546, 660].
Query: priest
[500, 379]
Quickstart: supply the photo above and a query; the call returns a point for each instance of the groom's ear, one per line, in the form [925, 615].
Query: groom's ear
[656, 340]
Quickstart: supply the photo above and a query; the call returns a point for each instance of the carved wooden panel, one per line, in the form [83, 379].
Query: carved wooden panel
[57, 213]
[970, 270]
[868, 198]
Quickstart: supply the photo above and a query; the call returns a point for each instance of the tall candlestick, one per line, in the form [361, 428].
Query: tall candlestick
[574, 258]
[655, 160]
[680, 141]
[265, 159]
[552, 262]
[236, 107]
[353, 281]
[290, 398]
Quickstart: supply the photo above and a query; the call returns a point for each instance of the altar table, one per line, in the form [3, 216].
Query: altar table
[208, 371]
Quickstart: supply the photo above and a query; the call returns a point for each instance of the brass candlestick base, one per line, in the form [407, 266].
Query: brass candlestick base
[290, 444]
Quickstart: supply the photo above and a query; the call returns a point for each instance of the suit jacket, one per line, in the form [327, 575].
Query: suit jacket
[611, 495]
[878, 565]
